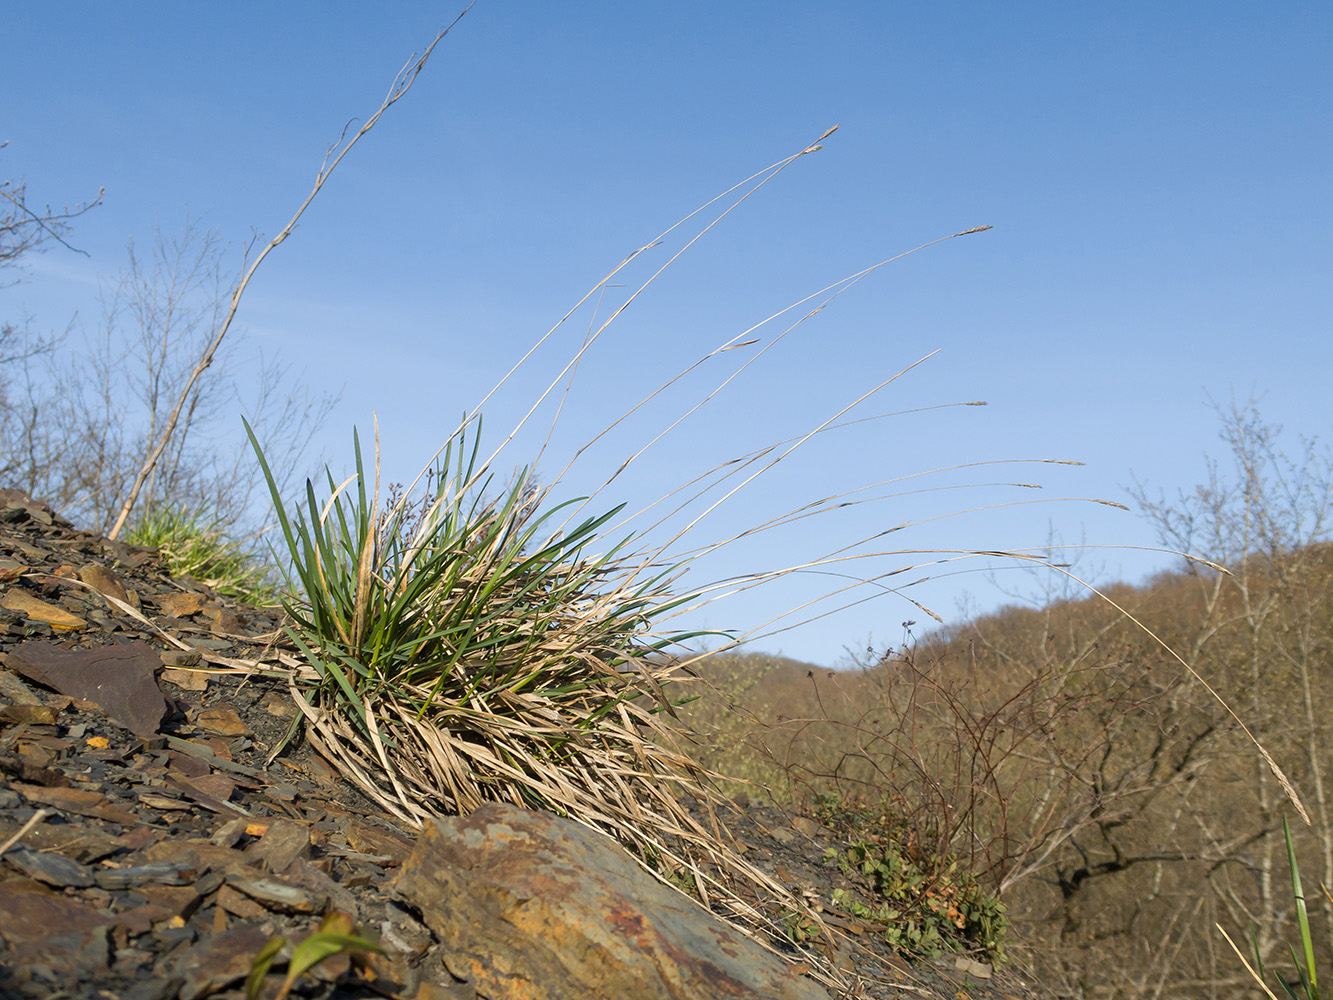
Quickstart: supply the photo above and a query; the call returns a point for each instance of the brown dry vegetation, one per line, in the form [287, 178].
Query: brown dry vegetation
[1062, 755]
[1118, 810]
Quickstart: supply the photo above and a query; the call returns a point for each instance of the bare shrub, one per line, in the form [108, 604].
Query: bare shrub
[89, 414]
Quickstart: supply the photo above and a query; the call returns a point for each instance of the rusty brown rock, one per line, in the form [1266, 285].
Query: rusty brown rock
[211, 789]
[282, 843]
[140, 919]
[103, 581]
[180, 605]
[38, 715]
[178, 900]
[378, 842]
[199, 854]
[529, 906]
[222, 722]
[16, 599]
[239, 905]
[119, 678]
[219, 962]
[186, 680]
[76, 800]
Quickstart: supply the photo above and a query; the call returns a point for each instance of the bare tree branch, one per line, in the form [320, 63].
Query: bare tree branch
[23, 230]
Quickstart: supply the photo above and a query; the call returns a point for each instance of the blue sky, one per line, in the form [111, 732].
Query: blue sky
[1158, 178]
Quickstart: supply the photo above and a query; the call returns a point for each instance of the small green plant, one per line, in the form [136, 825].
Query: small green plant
[191, 546]
[799, 925]
[336, 936]
[1306, 972]
[926, 902]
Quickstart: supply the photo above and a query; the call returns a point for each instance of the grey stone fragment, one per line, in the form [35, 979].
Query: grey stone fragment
[158, 873]
[277, 895]
[53, 869]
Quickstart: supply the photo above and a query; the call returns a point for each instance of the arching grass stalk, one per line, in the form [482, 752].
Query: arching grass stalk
[477, 642]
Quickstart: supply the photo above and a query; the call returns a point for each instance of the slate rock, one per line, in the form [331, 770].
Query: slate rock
[83, 844]
[217, 963]
[278, 894]
[529, 906]
[15, 691]
[104, 581]
[53, 869]
[37, 610]
[58, 937]
[302, 874]
[282, 843]
[18, 506]
[119, 678]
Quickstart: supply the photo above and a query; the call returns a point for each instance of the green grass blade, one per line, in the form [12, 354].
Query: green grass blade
[1302, 917]
[1306, 986]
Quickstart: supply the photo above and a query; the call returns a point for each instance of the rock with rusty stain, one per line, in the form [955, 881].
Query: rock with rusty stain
[528, 906]
[180, 605]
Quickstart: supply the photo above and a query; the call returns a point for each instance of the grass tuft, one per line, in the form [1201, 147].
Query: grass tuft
[477, 641]
[468, 651]
[191, 545]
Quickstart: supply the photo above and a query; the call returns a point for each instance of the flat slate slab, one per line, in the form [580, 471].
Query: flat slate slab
[122, 679]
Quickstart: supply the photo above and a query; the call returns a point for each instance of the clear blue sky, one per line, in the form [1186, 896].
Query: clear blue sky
[1158, 177]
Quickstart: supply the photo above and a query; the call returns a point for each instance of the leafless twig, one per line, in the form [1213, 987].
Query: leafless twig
[401, 84]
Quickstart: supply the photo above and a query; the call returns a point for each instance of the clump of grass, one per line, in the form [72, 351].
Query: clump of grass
[469, 650]
[191, 545]
[474, 641]
[337, 934]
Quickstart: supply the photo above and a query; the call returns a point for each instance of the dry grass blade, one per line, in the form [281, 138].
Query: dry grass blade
[402, 83]
[1248, 968]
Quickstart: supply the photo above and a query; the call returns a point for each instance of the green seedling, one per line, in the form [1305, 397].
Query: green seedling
[334, 937]
[925, 903]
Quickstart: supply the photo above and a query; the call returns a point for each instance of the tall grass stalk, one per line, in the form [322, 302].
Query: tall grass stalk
[478, 640]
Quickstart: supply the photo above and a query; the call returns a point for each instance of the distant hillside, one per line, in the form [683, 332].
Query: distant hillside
[1065, 756]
